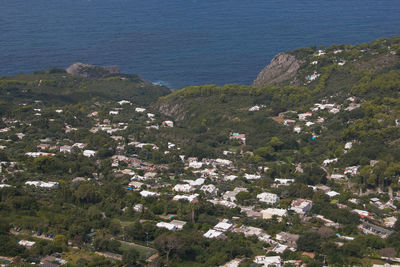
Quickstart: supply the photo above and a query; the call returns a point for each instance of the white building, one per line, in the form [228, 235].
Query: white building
[254, 108]
[146, 193]
[42, 184]
[329, 161]
[268, 261]
[352, 170]
[231, 195]
[214, 234]
[186, 188]
[138, 207]
[230, 177]
[224, 226]
[224, 203]
[268, 198]
[332, 193]
[66, 149]
[179, 224]
[301, 206]
[79, 145]
[283, 181]
[304, 116]
[209, 189]
[337, 176]
[168, 123]
[135, 185]
[348, 145]
[140, 110]
[252, 176]
[166, 225]
[89, 153]
[189, 198]
[223, 162]
[196, 182]
[123, 102]
[270, 212]
[26, 243]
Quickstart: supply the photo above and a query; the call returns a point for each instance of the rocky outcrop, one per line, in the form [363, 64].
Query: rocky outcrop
[173, 110]
[92, 71]
[282, 68]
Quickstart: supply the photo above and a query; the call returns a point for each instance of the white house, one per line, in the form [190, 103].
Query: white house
[305, 116]
[224, 203]
[123, 102]
[135, 185]
[337, 176]
[140, 110]
[268, 198]
[209, 189]
[79, 145]
[214, 234]
[252, 176]
[231, 195]
[223, 162]
[179, 224]
[329, 161]
[66, 149]
[186, 188]
[89, 153]
[42, 184]
[146, 193]
[197, 182]
[189, 198]
[301, 206]
[26, 243]
[230, 177]
[348, 145]
[332, 193]
[168, 123]
[166, 225]
[113, 112]
[268, 261]
[270, 212]
[352, 170]
[138, 207]
[283, 181]
[195, 165]
[224, 226]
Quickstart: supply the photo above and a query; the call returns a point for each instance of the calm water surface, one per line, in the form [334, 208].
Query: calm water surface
[182, 42]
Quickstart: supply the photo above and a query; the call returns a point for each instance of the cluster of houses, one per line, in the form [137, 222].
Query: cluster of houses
[210, 174]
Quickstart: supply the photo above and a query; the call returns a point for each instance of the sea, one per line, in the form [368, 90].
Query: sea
[179, 43]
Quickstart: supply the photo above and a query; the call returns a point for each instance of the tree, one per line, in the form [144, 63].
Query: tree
[86, 193]
[276, 143]
[60, 241]
[167, 244]
[135, 231]
[310, 242]
[130, 256]
[243, 196]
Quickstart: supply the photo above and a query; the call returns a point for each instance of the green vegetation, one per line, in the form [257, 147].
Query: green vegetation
[90, 160]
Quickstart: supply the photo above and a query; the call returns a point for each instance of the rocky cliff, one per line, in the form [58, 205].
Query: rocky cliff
[92, 71]
[282, 68]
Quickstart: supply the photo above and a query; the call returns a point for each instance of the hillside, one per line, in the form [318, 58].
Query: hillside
[350, 93]
[56, 86]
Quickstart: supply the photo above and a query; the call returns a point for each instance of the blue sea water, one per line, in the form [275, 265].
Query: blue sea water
[182, 42]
